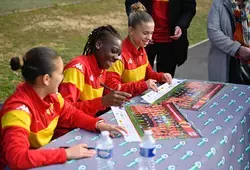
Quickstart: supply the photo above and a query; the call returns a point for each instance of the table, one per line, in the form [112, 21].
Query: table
[224, 124]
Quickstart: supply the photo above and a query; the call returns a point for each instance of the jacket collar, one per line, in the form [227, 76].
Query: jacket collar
[39, 104]
[94, 65]
[134, 51]
[228, 6]
[228, 3]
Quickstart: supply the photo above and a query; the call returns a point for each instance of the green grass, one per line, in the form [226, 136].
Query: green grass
[64, 28]
[7, 6]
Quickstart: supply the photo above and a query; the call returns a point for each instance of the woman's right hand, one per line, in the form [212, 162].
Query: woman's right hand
[79, 151]
[244, 52]
[115, 98]
[152, 84]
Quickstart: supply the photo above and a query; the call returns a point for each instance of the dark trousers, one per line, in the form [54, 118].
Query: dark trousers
[234, 71]
[239, 73]
[165, 61]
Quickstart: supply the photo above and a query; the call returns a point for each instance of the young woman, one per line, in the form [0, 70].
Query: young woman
[85, 75]
[30, 116]
[172, 19]
[133, 73]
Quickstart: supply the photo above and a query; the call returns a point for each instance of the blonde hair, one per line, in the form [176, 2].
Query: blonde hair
[138, 15]
[137, 7]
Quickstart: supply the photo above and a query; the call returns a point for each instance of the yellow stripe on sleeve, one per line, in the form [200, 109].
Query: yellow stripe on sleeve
[74, 76]
[61, 100]
[16, 118]
[44, 136]
[117, 67]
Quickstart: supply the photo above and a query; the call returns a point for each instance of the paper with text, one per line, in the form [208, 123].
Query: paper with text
[123, 120]
[152, 96]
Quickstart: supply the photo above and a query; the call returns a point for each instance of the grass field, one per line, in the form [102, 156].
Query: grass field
[64, 26]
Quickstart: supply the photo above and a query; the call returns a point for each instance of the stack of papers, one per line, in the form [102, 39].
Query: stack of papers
[152, 96]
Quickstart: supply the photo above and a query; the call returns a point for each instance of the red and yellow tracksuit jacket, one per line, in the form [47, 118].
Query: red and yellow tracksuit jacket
[131, 71]
[81, 84]
[28, 122]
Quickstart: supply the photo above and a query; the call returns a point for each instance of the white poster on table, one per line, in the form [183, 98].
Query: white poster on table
[124, 121]
[152, 96]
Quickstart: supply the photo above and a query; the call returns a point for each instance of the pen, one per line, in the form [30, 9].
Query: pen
[113, 90]
[107, 87]
[66, 147]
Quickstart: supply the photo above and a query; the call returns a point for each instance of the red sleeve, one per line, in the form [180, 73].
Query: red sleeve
[19, 156]
[71, 93]
[71, 117]
[151, 74]
[134, 88]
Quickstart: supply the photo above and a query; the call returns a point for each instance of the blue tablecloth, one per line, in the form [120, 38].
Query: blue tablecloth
[225, 144]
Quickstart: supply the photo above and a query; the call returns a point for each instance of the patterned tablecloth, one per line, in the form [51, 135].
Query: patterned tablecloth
[224, 124]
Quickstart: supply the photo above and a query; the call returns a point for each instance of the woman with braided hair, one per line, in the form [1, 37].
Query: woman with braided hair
[85, 75]
[31, 115]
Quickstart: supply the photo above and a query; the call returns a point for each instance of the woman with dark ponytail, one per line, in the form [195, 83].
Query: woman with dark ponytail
[30, 116]
[85, 75]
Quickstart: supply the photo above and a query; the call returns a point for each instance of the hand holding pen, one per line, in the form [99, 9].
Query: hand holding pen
[115, 97]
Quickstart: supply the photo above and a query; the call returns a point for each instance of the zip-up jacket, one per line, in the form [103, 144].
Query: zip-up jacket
[131, 71]
[28, 123]
[81, 84]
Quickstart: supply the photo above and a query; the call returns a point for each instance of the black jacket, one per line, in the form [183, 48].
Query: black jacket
[181, 13]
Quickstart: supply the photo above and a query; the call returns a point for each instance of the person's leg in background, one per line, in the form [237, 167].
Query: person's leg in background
[234, 71]
[239, 73]
[166, 61]
[151, 53]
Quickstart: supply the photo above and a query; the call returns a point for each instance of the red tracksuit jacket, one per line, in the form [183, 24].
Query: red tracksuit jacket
[28, 122]
[132, 70]
[81, 84]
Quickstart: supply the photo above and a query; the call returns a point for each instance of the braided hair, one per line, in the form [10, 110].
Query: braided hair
[100, 33]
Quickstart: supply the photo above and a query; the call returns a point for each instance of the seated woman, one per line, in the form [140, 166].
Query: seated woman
[30, 116]
[85, 75]
[133, 73]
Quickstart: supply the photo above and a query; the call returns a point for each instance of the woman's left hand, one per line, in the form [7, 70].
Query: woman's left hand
[102, 126]
[167, 78]
[177, 33]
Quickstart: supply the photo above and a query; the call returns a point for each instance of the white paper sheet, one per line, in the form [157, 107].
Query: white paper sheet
[123, 120]
[152, 96]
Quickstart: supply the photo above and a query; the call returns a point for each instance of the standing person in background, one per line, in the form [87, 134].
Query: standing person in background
[229, 55]
[84, 75]
[170, 44]
[128, 4]
[31, 115]
[133, 73]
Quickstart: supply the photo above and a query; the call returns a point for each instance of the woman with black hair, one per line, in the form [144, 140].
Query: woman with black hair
[30, 116]
[85, 75]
